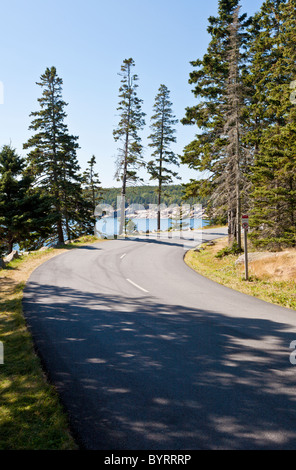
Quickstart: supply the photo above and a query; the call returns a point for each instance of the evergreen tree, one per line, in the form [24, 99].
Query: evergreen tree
[92, 190]
[92, 184]
[214, 82]
[130, 157]
[77, 211]
[161, 138]
[24, 218]
[274, 183]
[53, 160]
[231, 182]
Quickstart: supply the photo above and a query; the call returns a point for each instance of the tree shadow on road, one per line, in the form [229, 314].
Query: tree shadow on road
[187, 238]
[139, 374]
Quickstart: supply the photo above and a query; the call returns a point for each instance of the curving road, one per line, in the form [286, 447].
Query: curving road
[147, 354]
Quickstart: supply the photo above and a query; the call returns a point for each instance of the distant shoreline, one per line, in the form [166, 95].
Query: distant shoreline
[168, 213]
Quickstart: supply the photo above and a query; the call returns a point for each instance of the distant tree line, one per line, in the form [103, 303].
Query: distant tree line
[145, 195]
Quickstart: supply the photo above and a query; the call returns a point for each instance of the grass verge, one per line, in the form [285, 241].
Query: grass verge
[224, 271]
[31, 416]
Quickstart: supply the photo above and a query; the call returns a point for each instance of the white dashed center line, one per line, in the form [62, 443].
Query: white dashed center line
[136, 285]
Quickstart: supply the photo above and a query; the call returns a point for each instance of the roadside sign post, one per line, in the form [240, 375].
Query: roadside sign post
[245, 225]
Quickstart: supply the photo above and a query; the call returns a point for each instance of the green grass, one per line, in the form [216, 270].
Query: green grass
[31, 415]
[224, 271]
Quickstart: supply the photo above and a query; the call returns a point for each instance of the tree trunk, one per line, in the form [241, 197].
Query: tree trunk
[238, 178]
[123, 191]
[231, 227]
[160, 173]
[10, 245]
[159, 199]
[60, 231]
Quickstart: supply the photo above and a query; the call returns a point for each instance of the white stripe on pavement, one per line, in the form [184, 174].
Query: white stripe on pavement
[136, 285]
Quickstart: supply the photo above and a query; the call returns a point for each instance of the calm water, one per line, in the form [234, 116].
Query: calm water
[110, 225]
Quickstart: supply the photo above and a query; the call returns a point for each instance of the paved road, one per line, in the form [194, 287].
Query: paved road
[147, 354]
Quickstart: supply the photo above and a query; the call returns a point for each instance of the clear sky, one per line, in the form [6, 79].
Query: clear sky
[87, 41]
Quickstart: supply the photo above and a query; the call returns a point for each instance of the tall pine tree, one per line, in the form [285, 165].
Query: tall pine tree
[274, 184]
[53, 160]
[216, 85]
[232, 179]
[92, 190]
[92, 183]
[130, 157]
[161, 139]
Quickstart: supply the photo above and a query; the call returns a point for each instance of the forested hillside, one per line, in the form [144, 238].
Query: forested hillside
[145, 195]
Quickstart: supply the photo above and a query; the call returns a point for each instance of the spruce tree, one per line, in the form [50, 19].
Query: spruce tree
[92, 184]
[92, 190]
[209, 152]
[130, 157]
[231, 182]
[161, 138]
[24, 211]
[53, 160]
[274, 184]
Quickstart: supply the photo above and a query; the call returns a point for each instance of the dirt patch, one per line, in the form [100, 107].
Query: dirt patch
[279, 266]
[215, 245]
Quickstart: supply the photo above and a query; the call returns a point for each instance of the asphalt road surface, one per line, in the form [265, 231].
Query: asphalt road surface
[147, 354]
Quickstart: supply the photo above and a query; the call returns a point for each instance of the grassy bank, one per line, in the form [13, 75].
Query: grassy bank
[31, 416]
[272, 278]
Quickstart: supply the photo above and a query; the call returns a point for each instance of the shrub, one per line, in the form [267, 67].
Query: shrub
[229, 250]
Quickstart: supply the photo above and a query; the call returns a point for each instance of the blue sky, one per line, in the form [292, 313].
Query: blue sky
[87, 41]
